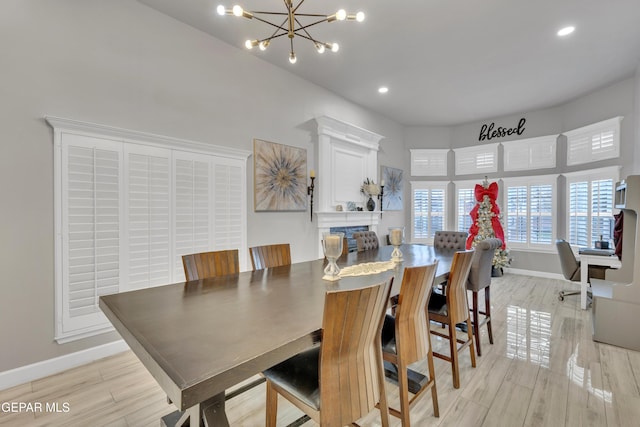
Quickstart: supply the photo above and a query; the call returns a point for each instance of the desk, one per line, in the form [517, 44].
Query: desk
[585, 261]
[202, 337]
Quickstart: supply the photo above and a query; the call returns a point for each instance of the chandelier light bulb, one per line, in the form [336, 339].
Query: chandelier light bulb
[249, 44]
[292, 58]
[263, 44]
[221, 10]
[320, 47]
[237, 10]
[360, 16]
[335, 47]
[341, 15]
[566, 31]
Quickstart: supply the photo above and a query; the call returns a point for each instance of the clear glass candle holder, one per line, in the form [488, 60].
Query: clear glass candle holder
[396, 238]
[332, 247]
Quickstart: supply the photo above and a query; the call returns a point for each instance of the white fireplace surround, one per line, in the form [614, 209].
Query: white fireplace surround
[346, 156]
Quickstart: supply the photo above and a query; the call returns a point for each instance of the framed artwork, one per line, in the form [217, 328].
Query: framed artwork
[393, 188]
[279, 177]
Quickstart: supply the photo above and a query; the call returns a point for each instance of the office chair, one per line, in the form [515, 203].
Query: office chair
[571, 267]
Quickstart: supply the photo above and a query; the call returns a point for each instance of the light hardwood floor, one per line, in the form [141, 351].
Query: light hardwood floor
[543, 370]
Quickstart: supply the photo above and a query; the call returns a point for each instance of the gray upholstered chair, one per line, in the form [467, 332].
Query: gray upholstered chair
[366, 240]
[454, 240]
[479, 279]
[571, 267]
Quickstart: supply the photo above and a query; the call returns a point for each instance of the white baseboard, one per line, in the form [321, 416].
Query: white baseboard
[48, 367]
[534, 273]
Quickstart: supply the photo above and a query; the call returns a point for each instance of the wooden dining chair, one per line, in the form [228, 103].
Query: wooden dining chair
[210, 264]
[270, 256]
[342, 379]
[453, 308]
[406, 340]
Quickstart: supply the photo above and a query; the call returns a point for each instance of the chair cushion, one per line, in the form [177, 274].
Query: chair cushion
[299, 376]
[389, 335]
[438, 304]
[452, 240]
[366, 240]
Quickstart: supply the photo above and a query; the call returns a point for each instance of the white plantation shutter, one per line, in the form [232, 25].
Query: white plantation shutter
[531, 153]
[228, 206]
[530, 204]
[429, 162]
[595, 142]
[192, 208]
[591, 205]
[91, 221]
[127, 206]
[429, 210]
[481, 159]
[148, 185]
[465, 201]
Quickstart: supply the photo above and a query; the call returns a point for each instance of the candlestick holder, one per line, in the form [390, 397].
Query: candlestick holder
[380, 197]
[310, 193]
[332, 247]
[396, 238]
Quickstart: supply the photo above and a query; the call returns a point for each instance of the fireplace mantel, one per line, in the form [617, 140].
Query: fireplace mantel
[346, 155]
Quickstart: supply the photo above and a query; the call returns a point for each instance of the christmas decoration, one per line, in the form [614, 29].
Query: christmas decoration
[487, 222]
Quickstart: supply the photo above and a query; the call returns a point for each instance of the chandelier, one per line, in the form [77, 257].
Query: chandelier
[291, 25]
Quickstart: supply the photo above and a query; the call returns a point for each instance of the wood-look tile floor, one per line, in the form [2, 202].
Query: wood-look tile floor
[542, 370]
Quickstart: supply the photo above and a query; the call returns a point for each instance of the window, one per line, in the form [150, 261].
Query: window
[595, 142]
[429, 162]
[590, 206]
[531, 153]
[128, 206]
[530, 207]
[465, 201]
[482, 159]
[429, 210]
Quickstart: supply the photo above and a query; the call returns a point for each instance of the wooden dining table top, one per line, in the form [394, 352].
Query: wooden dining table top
[201, 337]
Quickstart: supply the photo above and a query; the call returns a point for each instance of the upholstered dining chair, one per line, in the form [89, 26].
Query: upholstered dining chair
[406, 339]
[480, 279]
[342, 379]
[210, 264]
[571, 267]
[366, 240]
[453, 308]
[270, 256]
[453, 240]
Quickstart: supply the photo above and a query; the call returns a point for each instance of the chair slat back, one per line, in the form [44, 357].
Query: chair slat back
[270, 256]
[351, 349]
[457, 303]
[412, 324]
[210, 264]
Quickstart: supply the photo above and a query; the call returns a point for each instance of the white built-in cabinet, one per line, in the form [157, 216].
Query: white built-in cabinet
[128, 205]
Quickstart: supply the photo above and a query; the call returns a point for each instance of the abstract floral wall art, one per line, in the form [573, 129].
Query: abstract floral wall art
[393, 188]
[280, 177]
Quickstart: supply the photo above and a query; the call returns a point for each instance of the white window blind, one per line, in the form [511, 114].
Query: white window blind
[481, 159]
[128, 205]
[598, 141]
[429, 162]
[429, 210]
[148, 178]
[531, 153]
[590, 210]
[465, 202]
[530, 212]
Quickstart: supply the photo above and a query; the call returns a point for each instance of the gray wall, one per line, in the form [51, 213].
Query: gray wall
[614, 100]
[122, 64]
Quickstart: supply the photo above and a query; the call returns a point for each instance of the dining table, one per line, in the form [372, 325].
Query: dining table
[200, 338]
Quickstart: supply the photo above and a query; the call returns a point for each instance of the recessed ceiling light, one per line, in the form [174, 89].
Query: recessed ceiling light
[566, 31]
[383, 89]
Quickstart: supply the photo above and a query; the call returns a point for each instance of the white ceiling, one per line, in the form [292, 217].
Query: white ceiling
[445, 61]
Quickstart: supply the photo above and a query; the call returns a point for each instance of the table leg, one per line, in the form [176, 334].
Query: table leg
[209, 413]
[584, 283]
